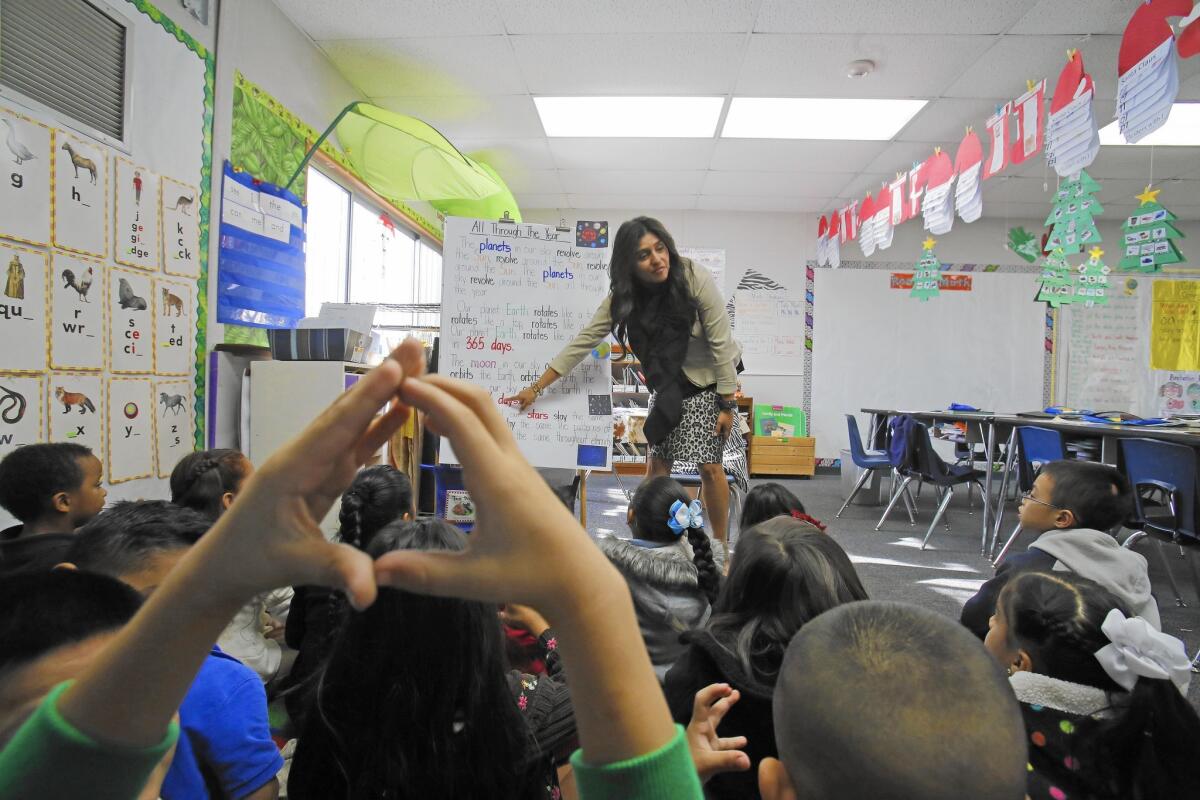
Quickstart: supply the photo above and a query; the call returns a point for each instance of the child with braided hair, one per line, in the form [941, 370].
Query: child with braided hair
[784, 573]
[671, 565]
[1102, 693]
[208, 481]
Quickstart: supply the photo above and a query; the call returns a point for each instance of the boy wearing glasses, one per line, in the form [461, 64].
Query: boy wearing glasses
[1073, 505]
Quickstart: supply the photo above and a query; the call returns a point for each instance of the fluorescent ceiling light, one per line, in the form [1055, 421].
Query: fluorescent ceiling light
[1182, 129]
[817, 118]
[683, 117]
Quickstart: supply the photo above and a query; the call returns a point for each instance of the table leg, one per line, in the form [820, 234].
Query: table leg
[987, 484]
[1003, 498]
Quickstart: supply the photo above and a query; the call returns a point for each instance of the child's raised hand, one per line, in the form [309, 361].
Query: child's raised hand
[711, 753]
[270, 537]
[525, 546]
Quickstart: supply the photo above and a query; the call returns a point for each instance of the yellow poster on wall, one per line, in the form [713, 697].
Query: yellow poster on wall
[1175, 326]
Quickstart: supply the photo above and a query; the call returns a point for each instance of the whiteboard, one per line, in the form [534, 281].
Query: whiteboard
[513, 294]
[874, 346]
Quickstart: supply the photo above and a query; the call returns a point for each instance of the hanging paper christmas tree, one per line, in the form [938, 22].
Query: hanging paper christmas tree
[927, 274]
[1058, 284]
[1091, 282]
[1149, 236]
[1071, 217]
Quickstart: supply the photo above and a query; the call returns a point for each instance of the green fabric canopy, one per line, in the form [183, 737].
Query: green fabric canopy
[404, 158]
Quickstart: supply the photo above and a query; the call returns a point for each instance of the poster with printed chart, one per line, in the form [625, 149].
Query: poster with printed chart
[130, 429]
[21, 408]
[173, 310]
[180, 230]
[131, 326]
[76, 312]
[79, 221]
[75, 409]
[23, 311]
[172, 423]
[135, 215]
[25, 178]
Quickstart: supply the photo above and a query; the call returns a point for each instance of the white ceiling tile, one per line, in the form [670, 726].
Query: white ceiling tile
[1003, 69]
[1139, 162]
[1016, 213]
[628, 16]
[858, 186]
[635, 63]
[899, 157]
[527, 201]
[944, 121]
[1076, 17]
[797, 155]
[800, 205]
[631, 153]
[775, 183]
[471, 117]
[427, 67]
[382, 19]
[535, 181]
[634, 202]
[509, 154]
[779, 65]
[604, 181]
[896, 17]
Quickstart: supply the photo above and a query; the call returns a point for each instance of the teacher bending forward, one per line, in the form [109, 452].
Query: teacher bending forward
[669, 312]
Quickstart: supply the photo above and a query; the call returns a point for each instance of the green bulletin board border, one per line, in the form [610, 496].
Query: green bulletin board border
[206, 127]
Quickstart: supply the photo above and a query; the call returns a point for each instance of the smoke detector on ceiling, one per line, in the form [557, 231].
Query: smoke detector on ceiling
[860, 68]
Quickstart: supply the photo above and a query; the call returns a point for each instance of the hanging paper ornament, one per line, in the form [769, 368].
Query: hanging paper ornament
[1091, 280]
[833, 245]
[1072, 137]
[997, 126]
[1148, 70]
[822, 241]
[1188, 40]
[1071, 216]
[1023, 243]
[883, 219]
[937, 206]
[1149, 236]
[1031, 131]
[928, 273]
[866, 226]
[917, 178]
[848, 222]
[899, 208]
[968, 192]
[1057, 281]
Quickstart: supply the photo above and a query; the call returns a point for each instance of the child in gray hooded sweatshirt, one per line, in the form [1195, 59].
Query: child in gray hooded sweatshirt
[1073, 505]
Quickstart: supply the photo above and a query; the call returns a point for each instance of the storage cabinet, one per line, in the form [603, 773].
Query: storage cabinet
[782, 455]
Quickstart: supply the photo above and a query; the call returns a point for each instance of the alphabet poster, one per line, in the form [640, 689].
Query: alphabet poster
[75, 404]
[173, 424]
[76, 312]
[25, 179]
[180, 229]
[130, 429]
[80, 218]
[131, 332]
[136, 213]
[23, 309]
[21, 407]
[173, 328]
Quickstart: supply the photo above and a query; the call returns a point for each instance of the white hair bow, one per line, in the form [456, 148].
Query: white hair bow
[685, 516]
[1137, 649]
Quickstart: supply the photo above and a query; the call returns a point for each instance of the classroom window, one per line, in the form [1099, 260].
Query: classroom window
[383, 259]
[328, 246]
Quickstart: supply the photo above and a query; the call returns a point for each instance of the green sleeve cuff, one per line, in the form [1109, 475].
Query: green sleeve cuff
[666, 774]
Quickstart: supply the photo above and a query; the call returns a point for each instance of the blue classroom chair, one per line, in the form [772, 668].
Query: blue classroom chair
[1035, 447]
[930, 468]
[868, 460]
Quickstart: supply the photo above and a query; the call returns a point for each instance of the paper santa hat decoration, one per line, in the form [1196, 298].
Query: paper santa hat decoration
[1148, 70]
[937, 206]
[968, 193]
[1072, 136]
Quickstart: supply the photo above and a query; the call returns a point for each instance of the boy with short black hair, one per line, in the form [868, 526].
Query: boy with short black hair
[889, 700]
[227, 750]
[51, 489]
[1073, 505]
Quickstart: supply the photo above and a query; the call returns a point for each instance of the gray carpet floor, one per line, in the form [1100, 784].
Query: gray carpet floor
[892, 565]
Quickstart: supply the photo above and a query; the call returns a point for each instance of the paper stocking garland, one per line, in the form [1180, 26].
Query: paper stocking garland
[1149, 236]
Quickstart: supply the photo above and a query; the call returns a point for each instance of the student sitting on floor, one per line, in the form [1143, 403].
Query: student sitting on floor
[417, 701]
[769, 500]
[672, 568]
[785, 572]
[208, 481]
[379, 495]
[226, 749]
[889, 701]
[52, 489]
[1103, 694]
[1073, 505]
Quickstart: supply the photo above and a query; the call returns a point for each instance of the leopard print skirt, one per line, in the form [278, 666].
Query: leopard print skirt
[693, 439]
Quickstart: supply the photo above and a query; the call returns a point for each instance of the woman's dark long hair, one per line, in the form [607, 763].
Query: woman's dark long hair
[378, 495]
[785, 573]
[414, 702]
[1144, 746]
[628, 289]
[652, 508]
[201, 479]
